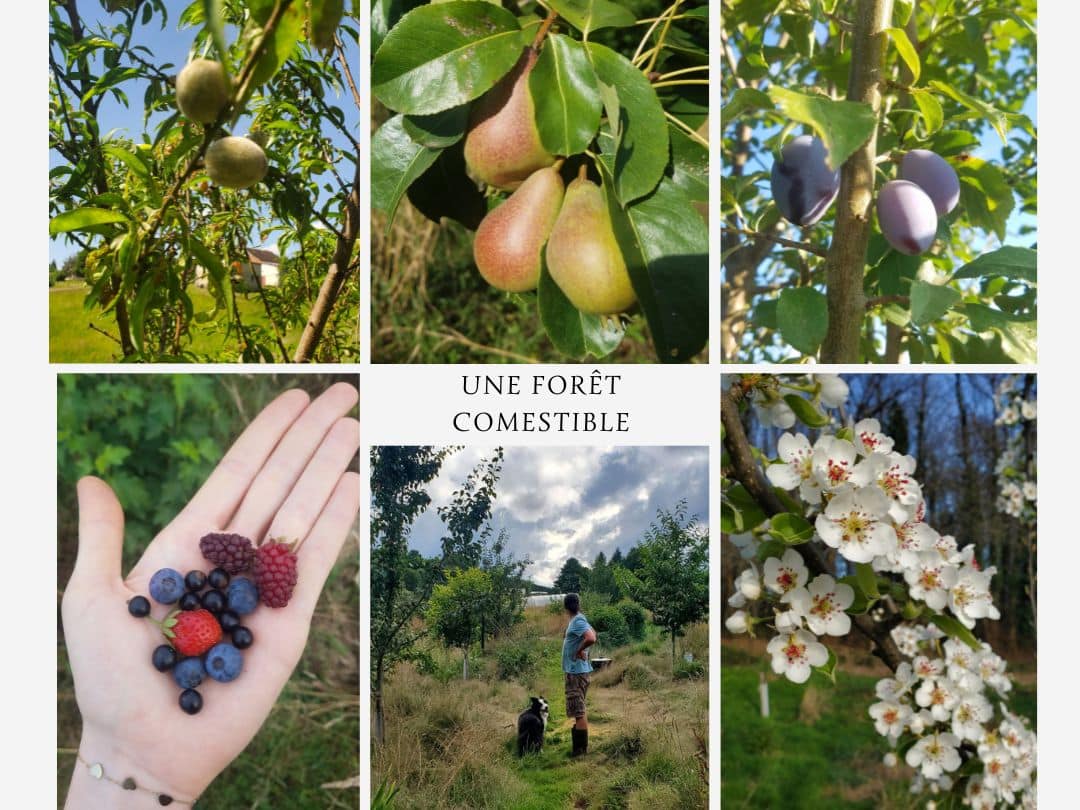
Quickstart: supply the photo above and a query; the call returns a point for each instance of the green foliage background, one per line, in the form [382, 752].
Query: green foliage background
[155, 438]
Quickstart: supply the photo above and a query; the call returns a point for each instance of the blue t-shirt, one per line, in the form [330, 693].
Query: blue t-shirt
[575, 632]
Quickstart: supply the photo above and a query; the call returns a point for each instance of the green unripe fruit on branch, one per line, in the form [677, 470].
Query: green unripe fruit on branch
[503, 146]
[509, 240]
[202, 90]
[116, 5]
[235, 162]
[583, 256]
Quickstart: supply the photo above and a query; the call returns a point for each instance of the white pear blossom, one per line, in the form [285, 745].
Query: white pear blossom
[793, 655]
[834, 391]
[935, 754]
[894, 474]
[972, 710]
[1029, 409]
[854, 523]
[796, 468]
[891, 690]
[785, 573]
[823, 604]
[748, 584]
[737, 622]
[869, 439]
[912, 537]
[836, 465]
[773, 412]
[931, 579]
[938, 696]
[969, 596]
[890, 719]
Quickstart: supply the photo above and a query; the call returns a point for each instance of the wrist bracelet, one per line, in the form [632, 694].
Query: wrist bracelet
[97, 771]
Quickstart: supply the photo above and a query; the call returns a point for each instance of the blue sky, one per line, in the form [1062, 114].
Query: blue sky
[171, 45]
[561, 502]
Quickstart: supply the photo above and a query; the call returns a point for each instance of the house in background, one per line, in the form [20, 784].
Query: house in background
[262, 266]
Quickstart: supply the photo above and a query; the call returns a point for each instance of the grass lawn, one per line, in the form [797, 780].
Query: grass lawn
[71, 340]
[817, 749]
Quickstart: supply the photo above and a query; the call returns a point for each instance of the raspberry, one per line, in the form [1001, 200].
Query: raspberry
[275, 573]
[233, 552]
[192, 632]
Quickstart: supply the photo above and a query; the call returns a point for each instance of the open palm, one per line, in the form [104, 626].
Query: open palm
[285, 477]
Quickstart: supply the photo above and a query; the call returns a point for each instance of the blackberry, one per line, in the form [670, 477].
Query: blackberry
[275, 573]
[139, 606]
[190, 701]
[233, 552]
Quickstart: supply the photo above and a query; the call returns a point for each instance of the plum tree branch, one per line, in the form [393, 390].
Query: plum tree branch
[805, 246]
[745, 470]
[845, 264]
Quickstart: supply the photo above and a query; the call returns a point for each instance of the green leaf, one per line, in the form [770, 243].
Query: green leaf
[82, 219]
[907, 51]
[803, 318]
[843, 126]
[689, 165]
[867, 579]
[592, 15]
[215, 22]
[1009, 262]
[828, 669]
[640, 150]
[983, 111]
[565, 96]
[396, 162]
[930, 108]
[665, 244]
[860, 604]
[745, 99]
[445, 190]
[985, 195]
[573, 332]
[215, 268]
[805, 411]
[439, 130]
[953, 627]
[441, 56]
[770, 548]
[281, 45]
[790, 528]
[747, 514]
[930, 301]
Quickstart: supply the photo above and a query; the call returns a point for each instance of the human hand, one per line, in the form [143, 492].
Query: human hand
[284, 477]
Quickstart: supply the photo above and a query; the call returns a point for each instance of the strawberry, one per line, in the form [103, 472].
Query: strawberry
[274, 569]
[191, 632]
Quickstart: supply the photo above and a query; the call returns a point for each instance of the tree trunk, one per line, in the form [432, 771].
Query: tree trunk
[672, 649]
[335, 279]
[380, 723]
[465, 664]
[846, 261]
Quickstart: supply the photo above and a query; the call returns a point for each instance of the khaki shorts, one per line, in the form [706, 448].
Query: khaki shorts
[576, 687]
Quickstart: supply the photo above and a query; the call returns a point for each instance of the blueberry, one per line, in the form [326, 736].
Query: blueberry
[139, 606]
[195, 580]
[190, 701]
[242, 638]
[228, 620]
[218, 578]
[166, 586]
[243, 596]
[189, 673]
[224, 662]
[214, 601]
[190, 601]
[164, 658]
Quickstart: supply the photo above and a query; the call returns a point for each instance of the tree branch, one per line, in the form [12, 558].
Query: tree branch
[806, 246]
[745, 470]
[845, 265]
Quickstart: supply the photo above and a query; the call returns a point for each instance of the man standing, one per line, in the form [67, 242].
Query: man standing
[575, 663]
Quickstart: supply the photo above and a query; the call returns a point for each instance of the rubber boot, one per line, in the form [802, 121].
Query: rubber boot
[580, 736]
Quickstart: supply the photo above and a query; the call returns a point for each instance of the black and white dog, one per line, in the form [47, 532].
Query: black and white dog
[531, 726]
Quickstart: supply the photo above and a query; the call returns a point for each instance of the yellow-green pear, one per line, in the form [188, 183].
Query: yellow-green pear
[582, 255]
[202, 90]
[509, 240]
[235, 162]
[503, 146]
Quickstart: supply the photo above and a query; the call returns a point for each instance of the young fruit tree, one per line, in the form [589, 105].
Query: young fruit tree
[880, 181]
[248, 139]
[835, 540]
[580, 166]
